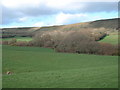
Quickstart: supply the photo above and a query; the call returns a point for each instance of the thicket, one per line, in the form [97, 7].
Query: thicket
[75, 42]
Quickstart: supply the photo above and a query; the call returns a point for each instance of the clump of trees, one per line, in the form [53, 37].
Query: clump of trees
[43, 40]
[98, 33]
[74, 42]
[79, 42]
[99, 36]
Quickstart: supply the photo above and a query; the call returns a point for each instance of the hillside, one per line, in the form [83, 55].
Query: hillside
[109, 24]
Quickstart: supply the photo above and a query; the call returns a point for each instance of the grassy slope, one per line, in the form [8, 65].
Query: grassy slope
[112, 39]
[41, 67]
[19, 38]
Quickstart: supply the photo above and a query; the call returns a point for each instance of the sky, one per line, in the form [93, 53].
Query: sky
[38, 13]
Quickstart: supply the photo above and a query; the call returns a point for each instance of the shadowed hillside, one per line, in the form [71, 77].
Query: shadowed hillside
[110, 23]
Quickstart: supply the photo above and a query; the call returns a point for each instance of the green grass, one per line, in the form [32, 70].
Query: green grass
[35, 67]
[0, 66]
[112, 39]
[18, 38]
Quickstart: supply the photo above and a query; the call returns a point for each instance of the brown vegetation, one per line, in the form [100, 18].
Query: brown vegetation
[108, 49]
[74, 42]
[12, 42]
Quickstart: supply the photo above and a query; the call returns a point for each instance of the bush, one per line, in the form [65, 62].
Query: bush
[5, 42]
[21, 43]
[43, 40]
[100, 36]
[12, 42]
[78, 42]
[30, 43]
[108, 49]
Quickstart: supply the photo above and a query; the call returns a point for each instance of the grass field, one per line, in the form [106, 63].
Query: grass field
[34, 67]
[18, 38]
[112, 39]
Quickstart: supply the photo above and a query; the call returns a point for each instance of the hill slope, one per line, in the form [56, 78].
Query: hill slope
[111, 24]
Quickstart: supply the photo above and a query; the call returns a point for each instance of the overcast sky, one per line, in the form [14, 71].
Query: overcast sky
[29, 13]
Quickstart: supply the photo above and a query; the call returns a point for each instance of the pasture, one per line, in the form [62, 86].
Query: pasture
[18, 39]
[112, 39]
[34, 67]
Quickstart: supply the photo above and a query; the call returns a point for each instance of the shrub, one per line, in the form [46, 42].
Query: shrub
[100, 36]
[108, 49]
[78, 42]
[43, 40]
[21, 43]
[30, 43]
[12, 42]
[5, 42]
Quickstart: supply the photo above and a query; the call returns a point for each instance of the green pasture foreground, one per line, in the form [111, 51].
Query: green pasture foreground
[18, 39]
[34, 67]
[112, 39]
